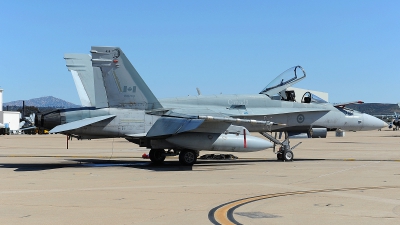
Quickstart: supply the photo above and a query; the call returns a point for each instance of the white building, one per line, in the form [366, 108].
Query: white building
[12, 118]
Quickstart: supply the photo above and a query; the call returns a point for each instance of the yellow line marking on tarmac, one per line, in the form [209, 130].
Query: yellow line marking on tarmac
[224, 213]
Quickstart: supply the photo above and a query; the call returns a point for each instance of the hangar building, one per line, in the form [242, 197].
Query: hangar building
[9, 117]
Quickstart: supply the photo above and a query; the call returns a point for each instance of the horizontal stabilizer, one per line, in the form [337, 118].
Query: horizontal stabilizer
[172, 125]
[78, 124]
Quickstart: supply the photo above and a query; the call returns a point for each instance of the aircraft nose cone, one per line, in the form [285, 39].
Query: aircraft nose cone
[373, 123]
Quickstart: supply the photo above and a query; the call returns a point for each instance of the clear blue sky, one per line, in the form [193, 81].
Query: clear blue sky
[349, 49]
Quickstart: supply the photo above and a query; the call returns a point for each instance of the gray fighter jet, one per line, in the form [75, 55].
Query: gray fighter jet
[184, 126]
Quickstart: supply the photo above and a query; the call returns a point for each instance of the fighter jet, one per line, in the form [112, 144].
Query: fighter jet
[393, 120]
[134, 113]
[187, 125]
[396, 121]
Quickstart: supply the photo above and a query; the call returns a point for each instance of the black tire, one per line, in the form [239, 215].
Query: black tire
[288, 156]
[279, 156]
[157, 156]
[187, 157]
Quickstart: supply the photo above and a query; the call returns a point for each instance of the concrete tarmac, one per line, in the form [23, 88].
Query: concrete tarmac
[353, 179]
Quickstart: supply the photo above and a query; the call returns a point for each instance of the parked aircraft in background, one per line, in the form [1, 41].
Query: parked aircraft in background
[27, 124]
[187, 125]
[395, 122]
[392, 119]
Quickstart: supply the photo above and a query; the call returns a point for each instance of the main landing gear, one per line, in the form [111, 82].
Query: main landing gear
[187, 157]
[285, 152]
[157, 156]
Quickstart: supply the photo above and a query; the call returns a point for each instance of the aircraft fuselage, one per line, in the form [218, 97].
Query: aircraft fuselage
[298, 117]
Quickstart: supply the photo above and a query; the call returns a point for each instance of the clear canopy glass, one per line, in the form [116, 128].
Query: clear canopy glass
[284, 80]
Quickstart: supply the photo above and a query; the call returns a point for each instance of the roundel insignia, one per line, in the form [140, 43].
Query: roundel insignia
[300, 118]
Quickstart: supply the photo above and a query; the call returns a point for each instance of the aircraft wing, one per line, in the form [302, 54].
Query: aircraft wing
[173, 125]
[78, 124]
[204, 120]
[342, 105]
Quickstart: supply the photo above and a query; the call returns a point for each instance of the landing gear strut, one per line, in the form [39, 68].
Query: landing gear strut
[285, 152]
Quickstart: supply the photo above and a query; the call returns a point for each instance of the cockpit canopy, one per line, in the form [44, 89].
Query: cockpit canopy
[309, 97]
[284, 80]
[279, 88]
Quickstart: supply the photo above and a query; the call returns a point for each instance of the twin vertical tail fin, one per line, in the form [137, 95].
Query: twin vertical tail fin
[88, 80]
[123, 84]
[79, 65]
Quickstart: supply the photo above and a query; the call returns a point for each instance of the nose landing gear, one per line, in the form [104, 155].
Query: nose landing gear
[285, 152]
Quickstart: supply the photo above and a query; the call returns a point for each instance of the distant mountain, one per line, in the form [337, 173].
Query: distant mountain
[48, 101]
[376, 108]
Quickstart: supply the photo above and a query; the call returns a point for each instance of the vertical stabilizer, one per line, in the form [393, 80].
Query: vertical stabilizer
[88, 80]
[83, 96]
[124, 86]
[99, 90]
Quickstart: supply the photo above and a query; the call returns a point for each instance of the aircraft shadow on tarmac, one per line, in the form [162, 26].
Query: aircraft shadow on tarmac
[392, 136]
[137, 164]
[87, 163]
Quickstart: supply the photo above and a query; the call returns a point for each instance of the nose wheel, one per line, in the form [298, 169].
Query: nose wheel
[284, 155]
[288, 156]
[285, 152]
[279, 156]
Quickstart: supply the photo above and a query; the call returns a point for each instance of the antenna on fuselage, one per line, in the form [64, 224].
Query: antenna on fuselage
[199, 92]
